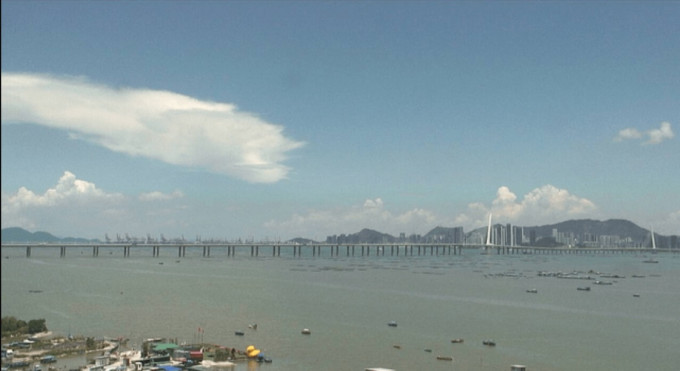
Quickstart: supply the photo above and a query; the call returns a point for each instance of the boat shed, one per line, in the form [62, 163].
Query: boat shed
[164, 348]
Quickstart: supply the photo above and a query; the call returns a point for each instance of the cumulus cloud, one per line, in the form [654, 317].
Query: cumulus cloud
[544, 205]
[371, 214]
[161, 125]
[77, 206]
[658, 135]
[69, 189]
[70, 193]
[653, 136]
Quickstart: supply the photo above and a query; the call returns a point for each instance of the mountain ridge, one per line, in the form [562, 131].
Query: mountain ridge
[622, 228]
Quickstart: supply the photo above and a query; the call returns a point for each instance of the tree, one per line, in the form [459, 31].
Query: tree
[36, 325]
[9, 324]
[90, 343]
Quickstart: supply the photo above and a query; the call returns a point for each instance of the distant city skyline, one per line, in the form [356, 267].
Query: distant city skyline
[311, 119]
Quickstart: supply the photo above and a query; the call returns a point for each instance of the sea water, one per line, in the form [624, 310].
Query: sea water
[347, 303]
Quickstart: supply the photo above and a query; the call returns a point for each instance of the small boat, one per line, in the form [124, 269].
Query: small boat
[428, 350]
[306, 331]
[638, 276]
[583, 288]
[392, 324]
[445, 358]
[239, 333]
[650, 261]
[636, 295]
[490, 343]
[48, 359]
[455, 341]
[396, 346]
[532, 291]
[603, 283]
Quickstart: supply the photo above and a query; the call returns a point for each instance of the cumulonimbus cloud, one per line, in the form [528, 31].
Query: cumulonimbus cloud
[653, 136]
[162, 125]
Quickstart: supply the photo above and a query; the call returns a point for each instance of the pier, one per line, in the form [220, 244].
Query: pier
[320, 249]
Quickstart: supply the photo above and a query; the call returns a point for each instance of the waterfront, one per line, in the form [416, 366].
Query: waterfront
[347, 303]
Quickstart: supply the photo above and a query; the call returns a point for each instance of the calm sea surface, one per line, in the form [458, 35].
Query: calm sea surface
[347, 303]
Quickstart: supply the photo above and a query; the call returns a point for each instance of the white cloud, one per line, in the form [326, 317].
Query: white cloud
[79, 208]
[544, 205]
[654, 136]
[68, 189]
[629, 133]
[70, 194]
[372, 214]
[160, 196]
[658, 135]
[161, 125]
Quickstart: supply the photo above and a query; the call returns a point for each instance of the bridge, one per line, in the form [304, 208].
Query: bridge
[318, 249]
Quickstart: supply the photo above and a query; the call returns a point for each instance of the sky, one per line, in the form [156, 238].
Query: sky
[274, 120]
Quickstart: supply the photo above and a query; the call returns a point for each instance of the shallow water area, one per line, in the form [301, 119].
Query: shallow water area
[347, 303]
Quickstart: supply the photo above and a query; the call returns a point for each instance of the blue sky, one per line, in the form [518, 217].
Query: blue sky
[275, 120]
